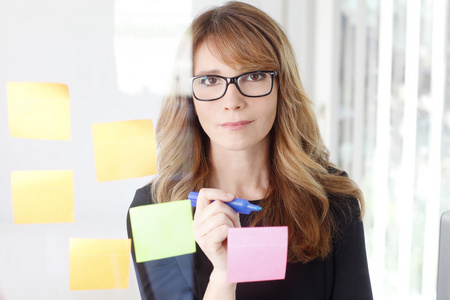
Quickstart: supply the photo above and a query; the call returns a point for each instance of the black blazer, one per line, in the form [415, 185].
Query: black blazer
[342, 275]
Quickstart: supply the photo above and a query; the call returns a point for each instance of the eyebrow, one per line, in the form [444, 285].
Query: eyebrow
[208, 72]
[219, 72]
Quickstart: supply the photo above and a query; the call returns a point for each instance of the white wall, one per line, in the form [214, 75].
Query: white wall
[76, 43]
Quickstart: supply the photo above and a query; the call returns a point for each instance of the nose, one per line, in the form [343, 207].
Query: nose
[233, 99]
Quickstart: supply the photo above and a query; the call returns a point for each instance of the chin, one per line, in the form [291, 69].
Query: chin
[237, 145]
[242, 143]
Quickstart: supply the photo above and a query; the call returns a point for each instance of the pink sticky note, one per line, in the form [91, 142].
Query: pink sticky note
[257, 253]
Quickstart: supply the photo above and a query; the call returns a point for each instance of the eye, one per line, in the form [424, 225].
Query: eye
[255, 76]
[209, 81]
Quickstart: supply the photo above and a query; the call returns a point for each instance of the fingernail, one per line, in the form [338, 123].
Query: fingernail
[230, 195]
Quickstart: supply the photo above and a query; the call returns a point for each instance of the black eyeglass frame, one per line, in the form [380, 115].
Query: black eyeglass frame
[234, 80]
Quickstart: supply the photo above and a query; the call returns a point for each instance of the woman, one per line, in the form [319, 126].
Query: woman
[246, 129]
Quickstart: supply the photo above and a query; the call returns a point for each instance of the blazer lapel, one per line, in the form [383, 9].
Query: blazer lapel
[186, 264]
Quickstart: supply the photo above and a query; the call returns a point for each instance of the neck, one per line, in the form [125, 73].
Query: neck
[242, 173]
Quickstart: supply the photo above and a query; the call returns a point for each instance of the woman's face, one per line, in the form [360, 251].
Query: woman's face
[234, 122]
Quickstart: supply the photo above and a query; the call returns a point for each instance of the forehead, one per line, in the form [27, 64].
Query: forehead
[207, 61]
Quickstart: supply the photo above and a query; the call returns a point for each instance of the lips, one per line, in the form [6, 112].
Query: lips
[236, 125]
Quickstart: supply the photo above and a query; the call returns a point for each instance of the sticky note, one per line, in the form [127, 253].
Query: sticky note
[42, 196]
[125, 149]
[99, 263]
[257, 253]
[162, 230]
[39, 110]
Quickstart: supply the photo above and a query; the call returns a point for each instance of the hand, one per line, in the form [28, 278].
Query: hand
[211, 223]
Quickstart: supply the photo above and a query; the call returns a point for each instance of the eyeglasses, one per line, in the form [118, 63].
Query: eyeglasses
[250, 84]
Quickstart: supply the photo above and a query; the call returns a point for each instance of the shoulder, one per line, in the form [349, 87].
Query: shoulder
[347, 231]
[143, 196]
[345, 211]
[344, 208]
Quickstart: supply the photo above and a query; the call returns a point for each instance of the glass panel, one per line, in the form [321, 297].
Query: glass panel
[407, 228]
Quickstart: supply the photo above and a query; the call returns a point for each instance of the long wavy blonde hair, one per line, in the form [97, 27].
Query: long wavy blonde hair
[304, 187]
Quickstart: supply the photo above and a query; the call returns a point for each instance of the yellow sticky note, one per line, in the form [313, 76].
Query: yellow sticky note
[124, 149]
[39, 110]
[99, 264]
[42, 196]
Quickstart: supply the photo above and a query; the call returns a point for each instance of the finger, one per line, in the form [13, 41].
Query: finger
[214, 238]
[215, 208]
[221, 207]
[213, 244]
[207, 225]
[206, 196]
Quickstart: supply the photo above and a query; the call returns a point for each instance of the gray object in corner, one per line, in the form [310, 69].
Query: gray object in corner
[443, 286]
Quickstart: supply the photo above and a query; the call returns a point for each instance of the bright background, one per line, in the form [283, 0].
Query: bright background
[378, 71]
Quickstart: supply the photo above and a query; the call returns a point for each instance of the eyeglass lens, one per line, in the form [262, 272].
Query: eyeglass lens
[211, 87]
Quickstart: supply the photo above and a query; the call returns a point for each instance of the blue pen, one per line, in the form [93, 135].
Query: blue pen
[241, 206]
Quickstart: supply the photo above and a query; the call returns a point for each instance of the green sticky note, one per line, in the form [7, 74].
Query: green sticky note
[162, 230]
